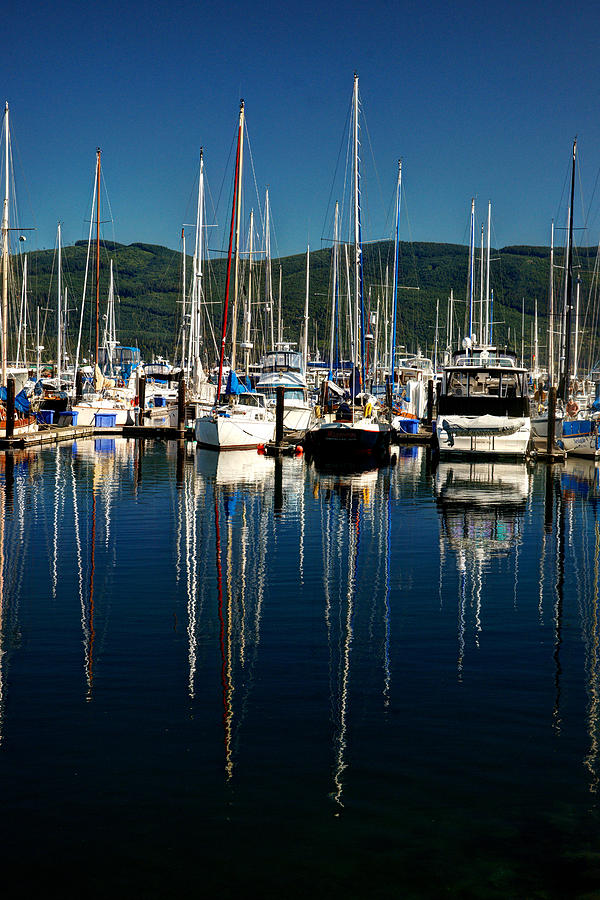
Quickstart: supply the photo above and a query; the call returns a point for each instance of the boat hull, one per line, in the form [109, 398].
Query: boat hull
[580, 438]
[342, 440]
[483, 435]
[87, 414]
[229, 433]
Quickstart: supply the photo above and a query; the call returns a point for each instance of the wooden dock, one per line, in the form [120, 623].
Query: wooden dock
[52, 434]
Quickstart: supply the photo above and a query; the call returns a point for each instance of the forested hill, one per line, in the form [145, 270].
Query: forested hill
[148, 285]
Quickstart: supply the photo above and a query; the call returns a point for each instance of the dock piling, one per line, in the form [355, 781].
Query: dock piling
[280, 392]
[10, 407]
[181, 404]
[551, 421]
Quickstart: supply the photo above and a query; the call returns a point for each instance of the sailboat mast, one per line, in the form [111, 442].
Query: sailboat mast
[5, 252]
[25, 311]
[487, 276]
[481, 291]
[248, 313]
[535, 344]
[198, 273]
[551, 311]
[358, 270]
[59, 341]
[183, 302]
[305, 337]
[279, 333]
[334, 285]
[237, 238]
[569, 288]
[395, 287]
[231, 230]
[471, 267]
[268, 279]
[98, 152]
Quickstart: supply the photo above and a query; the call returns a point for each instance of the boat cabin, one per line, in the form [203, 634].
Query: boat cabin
[473, 389]
[282, 361]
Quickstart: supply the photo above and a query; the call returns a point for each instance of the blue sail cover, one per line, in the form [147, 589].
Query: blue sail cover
[355, 382]
[21, 401]
[234, 385]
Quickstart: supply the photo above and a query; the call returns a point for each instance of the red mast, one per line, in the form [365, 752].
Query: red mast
[98, 151]
[233, 212]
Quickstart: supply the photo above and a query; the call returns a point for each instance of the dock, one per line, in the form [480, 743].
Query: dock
[54, 434]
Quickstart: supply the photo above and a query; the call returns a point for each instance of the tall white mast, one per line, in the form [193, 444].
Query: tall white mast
[305, 338]
[198, 272]
[334, 285]
[38, 347]
[5, 251]
[183, 305]
[25, 311]
[279, 332]
[356, 360]
[268, 281]
[481, 317]
[535, 345]
[576, 345]
[248, 309]
[551, 311]
[487, 276]
[59, 341]
[437, 318]
[471, 261]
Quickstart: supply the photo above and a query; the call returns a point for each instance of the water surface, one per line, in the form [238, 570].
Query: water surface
[232, 675]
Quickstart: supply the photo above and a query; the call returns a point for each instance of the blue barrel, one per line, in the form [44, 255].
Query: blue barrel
[105, 420]
[46, 416]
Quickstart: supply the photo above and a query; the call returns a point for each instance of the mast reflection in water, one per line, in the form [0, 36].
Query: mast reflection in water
[217, 668]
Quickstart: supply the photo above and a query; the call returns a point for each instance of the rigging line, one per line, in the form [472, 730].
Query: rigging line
[375, 169]
[260, 212]
[15, 144]
[225, 172]
[344, 133]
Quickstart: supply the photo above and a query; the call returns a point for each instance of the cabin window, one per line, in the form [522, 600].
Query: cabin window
[458, 384]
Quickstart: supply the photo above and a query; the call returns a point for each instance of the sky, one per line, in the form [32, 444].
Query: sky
[479, 100]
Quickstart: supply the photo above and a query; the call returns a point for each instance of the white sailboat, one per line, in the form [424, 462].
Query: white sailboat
[353, 433]
[244, 421]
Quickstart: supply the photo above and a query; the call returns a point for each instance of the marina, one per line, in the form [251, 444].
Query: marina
[300, 452]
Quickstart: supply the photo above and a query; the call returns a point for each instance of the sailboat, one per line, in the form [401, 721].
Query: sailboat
[579, 432]
[244, 421]
[353, 432]
[23, 422]
[108, 399]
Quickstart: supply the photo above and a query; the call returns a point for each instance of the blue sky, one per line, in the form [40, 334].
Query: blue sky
[478, 99]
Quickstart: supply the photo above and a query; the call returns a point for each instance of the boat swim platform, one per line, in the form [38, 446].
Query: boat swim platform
[423, 436]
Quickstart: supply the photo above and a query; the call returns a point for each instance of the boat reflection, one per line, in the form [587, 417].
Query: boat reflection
[578, 534]
[356, 562]
[232, 550]
[482, 507]
[18, 471]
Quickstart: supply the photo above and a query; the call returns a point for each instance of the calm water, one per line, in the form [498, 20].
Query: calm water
[233, 676]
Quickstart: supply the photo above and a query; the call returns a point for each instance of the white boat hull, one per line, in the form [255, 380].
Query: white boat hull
[297, 418]
[232, 432]
[87, 414]
[483, 435]
[581, 438]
